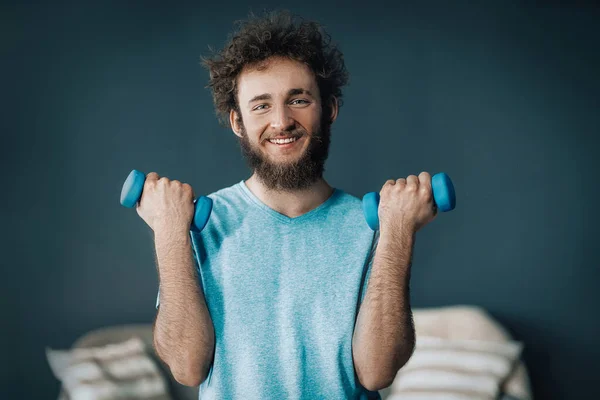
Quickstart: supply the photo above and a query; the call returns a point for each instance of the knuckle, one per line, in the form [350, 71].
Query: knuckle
[426, 193]
[425, 178]
[389, 183]
[187, 188]
[152, 177]
[412, 183]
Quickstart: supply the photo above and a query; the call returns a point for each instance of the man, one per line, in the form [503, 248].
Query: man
[282, 295]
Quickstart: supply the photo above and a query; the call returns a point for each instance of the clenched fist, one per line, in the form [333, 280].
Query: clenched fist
[166, 205]
[407, 203]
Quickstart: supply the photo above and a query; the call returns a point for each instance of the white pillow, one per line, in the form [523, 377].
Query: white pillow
[455, 369]
[115, 371]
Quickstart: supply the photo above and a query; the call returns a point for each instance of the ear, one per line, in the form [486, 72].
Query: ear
[334, 107]
[233, 122]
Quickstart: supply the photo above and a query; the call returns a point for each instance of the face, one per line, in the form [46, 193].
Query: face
[284, 134]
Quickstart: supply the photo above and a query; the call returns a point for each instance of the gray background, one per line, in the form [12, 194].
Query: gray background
[503, 98]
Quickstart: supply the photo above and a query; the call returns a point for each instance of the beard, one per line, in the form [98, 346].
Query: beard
[294, 175]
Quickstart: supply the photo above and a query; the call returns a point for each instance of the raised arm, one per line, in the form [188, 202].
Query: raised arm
[183, 331]
[184, 336]
[384, 335]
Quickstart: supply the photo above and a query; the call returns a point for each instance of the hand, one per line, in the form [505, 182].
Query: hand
[165, 205]
[407, 203]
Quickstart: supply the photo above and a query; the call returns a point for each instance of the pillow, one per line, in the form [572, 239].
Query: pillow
[116, 371]
[455, 369]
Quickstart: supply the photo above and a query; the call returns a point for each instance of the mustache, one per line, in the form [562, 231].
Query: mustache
[296, 134]
[292, 133]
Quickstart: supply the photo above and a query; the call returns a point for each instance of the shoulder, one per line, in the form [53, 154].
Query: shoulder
[228, 198]
[348, 212]
[226, 192]
[228, 207]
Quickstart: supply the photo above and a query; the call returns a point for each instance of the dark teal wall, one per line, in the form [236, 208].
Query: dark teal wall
[504, 99]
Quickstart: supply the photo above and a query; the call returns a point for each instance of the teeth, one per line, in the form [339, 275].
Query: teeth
[282, 141]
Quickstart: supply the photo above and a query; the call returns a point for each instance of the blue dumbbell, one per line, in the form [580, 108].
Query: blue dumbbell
[443, 195]
[132, 192]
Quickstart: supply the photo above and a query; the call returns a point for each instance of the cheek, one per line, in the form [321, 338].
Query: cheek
[254, 137]
[254, 133]
[250, 131]
[312, 121]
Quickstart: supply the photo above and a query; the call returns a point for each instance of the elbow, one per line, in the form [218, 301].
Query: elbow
[189, 377]
[372, 376]
[191, 373]
[380, 374]
[189, 369]
[379, 381]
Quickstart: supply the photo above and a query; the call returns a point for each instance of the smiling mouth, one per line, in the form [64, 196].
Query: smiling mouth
[284, 141]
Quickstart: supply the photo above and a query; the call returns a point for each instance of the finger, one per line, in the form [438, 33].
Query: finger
[425, 185]
[412, 181]
[388, 184]
[400, 183]
[188, 187]
[152, 176]
[424, 179]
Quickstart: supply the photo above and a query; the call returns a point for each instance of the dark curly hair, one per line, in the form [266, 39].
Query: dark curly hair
[277, 33]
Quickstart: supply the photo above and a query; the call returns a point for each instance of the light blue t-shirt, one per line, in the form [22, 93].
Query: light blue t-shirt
[283, 294]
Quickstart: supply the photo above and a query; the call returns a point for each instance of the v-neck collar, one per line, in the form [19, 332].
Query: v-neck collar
[284, 218]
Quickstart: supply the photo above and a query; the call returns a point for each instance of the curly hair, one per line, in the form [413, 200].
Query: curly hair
[277, 33]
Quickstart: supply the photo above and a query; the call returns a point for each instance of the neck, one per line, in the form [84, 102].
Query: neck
[291, 203]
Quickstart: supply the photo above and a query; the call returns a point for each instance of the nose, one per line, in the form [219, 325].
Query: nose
[282, 119]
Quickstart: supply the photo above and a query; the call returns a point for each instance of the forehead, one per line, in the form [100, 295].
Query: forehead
[275, 76]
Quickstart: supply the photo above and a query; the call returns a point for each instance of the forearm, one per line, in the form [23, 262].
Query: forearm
[183, 330]
[384, 336]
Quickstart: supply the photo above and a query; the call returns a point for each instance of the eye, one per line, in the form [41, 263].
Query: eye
[302, 102]
[259, 107]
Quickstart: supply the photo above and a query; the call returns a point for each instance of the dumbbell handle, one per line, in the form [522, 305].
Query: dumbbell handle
[132, 192]
[443, 195]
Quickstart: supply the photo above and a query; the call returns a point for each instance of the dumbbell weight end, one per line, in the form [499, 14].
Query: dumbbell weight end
[443, 195]
[132, 192]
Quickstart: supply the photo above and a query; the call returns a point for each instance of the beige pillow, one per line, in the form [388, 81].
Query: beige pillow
[472, 322]
[455, 369]
[116, 371]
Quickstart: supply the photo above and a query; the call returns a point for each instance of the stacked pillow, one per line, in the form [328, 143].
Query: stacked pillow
[121, 371]
[462, 352]
[455, 369]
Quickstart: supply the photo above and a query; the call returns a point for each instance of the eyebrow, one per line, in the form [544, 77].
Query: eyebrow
[291, 92]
